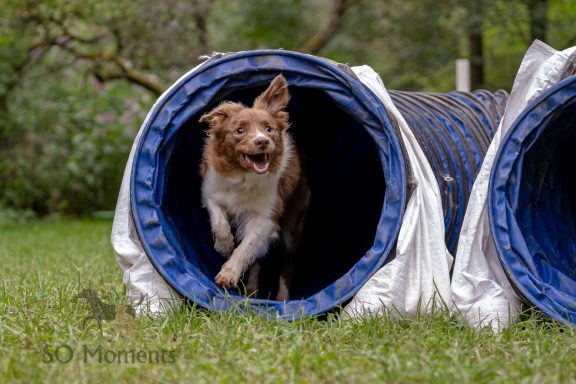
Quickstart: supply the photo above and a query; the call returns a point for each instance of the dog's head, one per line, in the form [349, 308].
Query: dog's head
[243, 139]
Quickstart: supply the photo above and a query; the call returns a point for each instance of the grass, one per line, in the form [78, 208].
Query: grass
[45, 264]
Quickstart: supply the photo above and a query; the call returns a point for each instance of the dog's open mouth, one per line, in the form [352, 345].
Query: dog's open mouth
[258, 163]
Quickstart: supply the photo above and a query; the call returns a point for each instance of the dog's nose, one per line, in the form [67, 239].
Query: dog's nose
[262, 142]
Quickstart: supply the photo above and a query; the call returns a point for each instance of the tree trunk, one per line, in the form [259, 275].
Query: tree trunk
[200, 15]
[538, 13]
[323, 37]
[476, 45]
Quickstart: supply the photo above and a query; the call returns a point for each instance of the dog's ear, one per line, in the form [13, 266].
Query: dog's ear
[221, 113]
[275, 98]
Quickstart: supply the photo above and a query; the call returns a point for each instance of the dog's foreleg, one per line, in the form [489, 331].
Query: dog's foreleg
[253, 279]
[295, 216]
[285, 280]
[257, 234]
[221, 231]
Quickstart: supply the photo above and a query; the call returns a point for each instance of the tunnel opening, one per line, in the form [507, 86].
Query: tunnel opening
[546, 201]
[353, 159]
[532, 202]
[346, 180]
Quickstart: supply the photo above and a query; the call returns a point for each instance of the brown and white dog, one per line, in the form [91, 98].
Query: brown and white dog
[252, 182]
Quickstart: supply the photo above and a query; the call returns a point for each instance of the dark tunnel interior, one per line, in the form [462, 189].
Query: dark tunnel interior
[547, 200]
[346, 180]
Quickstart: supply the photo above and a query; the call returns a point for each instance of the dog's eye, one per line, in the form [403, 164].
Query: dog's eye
[239, 130]
[268, 129]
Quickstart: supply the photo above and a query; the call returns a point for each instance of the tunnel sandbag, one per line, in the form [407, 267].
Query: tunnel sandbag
[354, 160]
[532, 202]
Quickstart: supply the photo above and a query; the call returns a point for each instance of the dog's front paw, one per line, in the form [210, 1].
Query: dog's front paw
[224, 243]
[228, 276]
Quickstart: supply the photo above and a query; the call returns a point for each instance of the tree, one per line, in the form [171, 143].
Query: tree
[317, 42]
[476, 43]
[64, 136]
[538, 15]
[139, 42]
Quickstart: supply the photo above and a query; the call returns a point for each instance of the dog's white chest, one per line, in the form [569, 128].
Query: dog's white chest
[243, 194]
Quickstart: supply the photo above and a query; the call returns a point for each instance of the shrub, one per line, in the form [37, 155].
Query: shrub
[67, 144]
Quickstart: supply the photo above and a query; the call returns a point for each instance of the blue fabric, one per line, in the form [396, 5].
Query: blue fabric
[172, 133]
[354, 161]
[454, 131]
[532, 202]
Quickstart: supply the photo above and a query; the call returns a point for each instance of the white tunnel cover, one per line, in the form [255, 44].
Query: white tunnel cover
[418, 278]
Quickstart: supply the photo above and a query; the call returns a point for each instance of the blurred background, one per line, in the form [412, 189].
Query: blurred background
[78, 77]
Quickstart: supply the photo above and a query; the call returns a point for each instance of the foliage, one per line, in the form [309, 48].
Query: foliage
[40, 310]
[392, 41]
[10, 216]
[68, 155]
[231, 30]
[77, 77]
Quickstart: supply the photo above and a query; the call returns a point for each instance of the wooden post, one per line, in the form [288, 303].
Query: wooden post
[463, 75]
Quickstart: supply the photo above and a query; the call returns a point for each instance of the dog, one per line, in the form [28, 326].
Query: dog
[252, 182]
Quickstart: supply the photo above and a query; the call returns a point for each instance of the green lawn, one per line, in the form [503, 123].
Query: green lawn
[45, 264]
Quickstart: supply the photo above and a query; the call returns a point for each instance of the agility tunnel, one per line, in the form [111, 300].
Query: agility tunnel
[355, 161]
[532, 202]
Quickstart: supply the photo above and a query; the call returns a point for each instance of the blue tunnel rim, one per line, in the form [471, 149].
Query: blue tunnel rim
[152, 229]
[503, 223]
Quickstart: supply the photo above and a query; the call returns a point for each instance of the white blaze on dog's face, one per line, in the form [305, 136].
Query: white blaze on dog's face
[245, 139]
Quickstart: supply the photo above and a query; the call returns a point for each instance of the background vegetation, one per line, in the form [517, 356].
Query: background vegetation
[77, 77]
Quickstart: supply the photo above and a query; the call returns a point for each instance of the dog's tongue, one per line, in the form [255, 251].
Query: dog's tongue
[258, 162]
